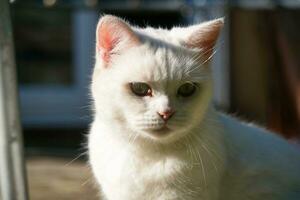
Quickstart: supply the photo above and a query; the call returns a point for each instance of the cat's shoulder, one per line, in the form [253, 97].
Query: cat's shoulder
[256, 143]
[250, 130]
[237, 124]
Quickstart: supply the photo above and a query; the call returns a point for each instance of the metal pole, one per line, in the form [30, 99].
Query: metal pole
[13, 184]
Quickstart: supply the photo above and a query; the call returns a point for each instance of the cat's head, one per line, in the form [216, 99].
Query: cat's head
[154, 83]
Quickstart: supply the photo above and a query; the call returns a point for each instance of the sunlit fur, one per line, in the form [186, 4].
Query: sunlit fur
[202, 155]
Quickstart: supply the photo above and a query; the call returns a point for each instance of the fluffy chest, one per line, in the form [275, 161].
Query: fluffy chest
[129, 177]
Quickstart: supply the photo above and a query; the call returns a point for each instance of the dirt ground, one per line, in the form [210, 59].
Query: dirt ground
[53, 178]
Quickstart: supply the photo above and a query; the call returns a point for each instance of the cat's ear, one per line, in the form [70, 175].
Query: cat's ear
[113, 35]
[203, 36]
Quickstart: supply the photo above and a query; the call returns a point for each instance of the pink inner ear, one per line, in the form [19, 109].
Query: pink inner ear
[106, 43]
[113, 36]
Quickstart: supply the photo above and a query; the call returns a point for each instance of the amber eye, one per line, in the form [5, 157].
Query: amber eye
[141, 89]
[186, 89]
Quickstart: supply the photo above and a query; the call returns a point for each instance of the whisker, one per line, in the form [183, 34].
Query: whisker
[76, 158]
[212, 160]
[87, 181]
[198, 157]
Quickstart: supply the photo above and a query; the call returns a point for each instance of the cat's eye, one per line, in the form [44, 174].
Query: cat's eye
[141, 89]
[186, 89]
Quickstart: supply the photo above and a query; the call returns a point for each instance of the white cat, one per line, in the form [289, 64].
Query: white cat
[155, 135]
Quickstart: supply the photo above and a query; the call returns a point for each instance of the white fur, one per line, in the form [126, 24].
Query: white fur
[206, 156]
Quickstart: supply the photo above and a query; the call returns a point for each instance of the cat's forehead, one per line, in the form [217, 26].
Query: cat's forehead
[156, 62]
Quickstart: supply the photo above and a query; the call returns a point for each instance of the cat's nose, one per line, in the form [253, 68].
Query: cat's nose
[167, 114]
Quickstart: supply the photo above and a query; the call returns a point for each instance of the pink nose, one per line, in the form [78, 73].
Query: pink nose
[167, 114]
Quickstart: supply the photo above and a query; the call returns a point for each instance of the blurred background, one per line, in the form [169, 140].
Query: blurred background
[256, 71]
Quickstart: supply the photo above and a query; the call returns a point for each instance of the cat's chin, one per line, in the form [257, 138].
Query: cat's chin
[162, 135]
[161, 132]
